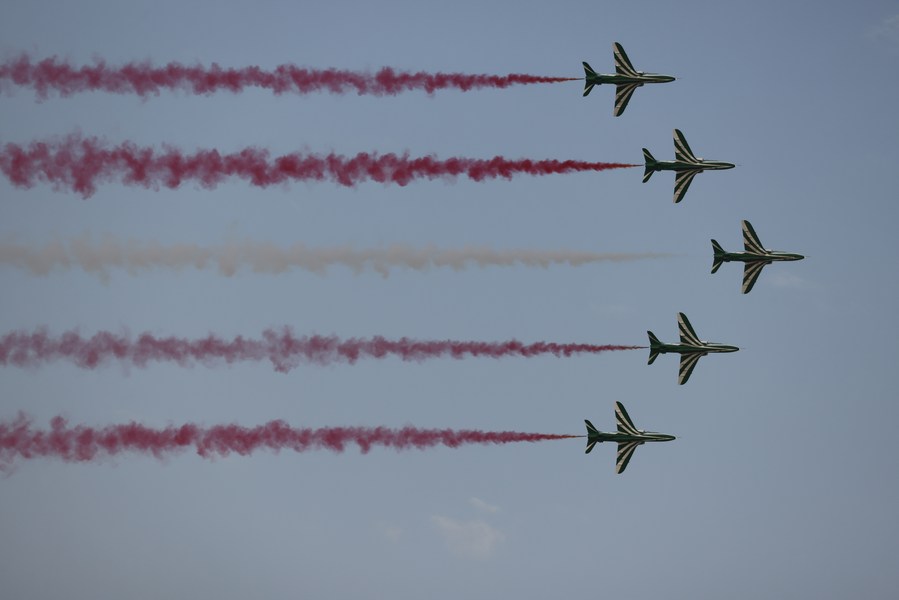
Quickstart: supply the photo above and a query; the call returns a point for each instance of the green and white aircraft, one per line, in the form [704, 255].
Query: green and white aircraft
[685, 165]
[755, 257]
[626, 79]
[691, 348]
[627, 436]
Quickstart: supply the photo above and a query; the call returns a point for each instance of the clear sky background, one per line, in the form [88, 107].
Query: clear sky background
[783, 479]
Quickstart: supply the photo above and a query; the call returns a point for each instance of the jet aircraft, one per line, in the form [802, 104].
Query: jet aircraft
[626, 79]
[685, 165]
[755, 257]
[627, 436]
[691, 348]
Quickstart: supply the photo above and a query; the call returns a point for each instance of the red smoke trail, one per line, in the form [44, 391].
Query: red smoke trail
[283, 349]
[82, 443]
[80, 163]
[143, 79]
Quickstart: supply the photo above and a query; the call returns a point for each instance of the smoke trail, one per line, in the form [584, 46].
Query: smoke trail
[285, 350]
[80, 163]
[143, 79]
[261, 257]
[18, 439]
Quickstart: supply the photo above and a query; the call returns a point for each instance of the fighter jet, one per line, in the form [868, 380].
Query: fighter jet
[685, 165]
[626, 79]
[627, 436]
[691, 348]
[755, 257]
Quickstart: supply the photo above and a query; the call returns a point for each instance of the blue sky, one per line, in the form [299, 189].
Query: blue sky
[782, 481]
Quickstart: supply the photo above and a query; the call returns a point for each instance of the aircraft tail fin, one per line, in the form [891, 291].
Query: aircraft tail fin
[591, 433]
[654, 345]
[718, 258]
[589, 74]
[650, 164]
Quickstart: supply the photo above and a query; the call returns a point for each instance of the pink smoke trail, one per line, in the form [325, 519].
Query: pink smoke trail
[143, 79]
[285, 350]
[80, 163]
[81, 443]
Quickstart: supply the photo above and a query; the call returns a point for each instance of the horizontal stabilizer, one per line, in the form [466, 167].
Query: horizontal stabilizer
[716, 264]
[592, 432]
[650, 164]
[589, 74]
[654, 344]
[718, 257]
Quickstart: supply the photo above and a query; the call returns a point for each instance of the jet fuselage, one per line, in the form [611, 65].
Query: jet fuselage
[619, 78]
[644, 436]
[771, 255]
[707, 347]
[677, 165]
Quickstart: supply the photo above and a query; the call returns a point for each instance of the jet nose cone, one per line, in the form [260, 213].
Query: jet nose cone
[727, 165]
[667, 78]
[731, 348]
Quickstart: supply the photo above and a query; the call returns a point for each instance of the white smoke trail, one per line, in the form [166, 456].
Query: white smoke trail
[263, 257]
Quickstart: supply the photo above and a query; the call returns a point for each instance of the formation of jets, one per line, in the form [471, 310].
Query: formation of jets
[686, 165]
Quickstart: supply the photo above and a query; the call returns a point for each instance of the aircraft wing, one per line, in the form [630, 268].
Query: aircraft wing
[625, 451]
[751, 240]
[751, 273]
[623, 64]
[687, 364]
[681, 182]
[623, 95]
[687, 333]
[682, 150]
[625, 425]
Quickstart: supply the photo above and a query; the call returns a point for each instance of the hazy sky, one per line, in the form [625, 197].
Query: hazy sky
[783, 479]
